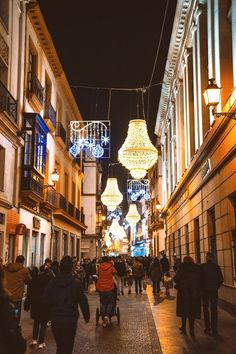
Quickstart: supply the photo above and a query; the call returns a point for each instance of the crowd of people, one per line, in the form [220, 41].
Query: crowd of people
[53, 293]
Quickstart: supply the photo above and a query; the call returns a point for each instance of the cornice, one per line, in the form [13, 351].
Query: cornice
[183, 15]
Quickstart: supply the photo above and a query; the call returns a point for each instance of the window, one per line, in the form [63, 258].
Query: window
[42, 245]
[56, 245]
[73, 193]
[2, 167]
[25, 246]
[186, 228]
[197, 240]
[72, 245]
[32, 61]
[65, 244]
[1, 243]
[212, 232]
[34, 247]
[11, 248]
[4, 12]
[40, 150]
[78, 248]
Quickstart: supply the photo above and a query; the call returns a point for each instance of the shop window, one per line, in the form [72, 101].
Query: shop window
[2, 167]
[34, 247]
[42, 247]
[72, 245]
[197, 240]
[212, 232]
[4, 12]
[65, 244]
[25, 246]
[186, 228]
[56, 242]
[78, 248]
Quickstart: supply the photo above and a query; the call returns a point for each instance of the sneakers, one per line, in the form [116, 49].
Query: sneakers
[42, 345]
[34, 342]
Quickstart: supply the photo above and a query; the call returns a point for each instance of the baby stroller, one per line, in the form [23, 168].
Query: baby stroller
[115, 309]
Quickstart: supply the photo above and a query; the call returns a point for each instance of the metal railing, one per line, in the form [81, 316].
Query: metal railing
[31, 182]
[35, 87]
[61, 132]
[71, 209]
[62, 203]
[7, 102]
[50, 195]
[50, 113]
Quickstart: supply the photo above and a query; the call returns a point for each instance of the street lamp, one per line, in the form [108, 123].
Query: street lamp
[55, 176]
[212, 99]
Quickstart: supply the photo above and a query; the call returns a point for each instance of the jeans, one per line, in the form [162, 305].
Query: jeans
[39, 331]
[155, 286]
[210, 299]
[138, 285]
[106, 300]
[17, 305]
[120, 284]
[64, 334]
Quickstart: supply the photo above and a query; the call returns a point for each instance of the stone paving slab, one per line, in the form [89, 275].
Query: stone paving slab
[135, 334]
[173, 342]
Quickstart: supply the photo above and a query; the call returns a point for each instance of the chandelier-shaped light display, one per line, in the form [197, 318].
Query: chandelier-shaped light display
[117, 230]
[133, 215]
[111, 197]
[137, 154]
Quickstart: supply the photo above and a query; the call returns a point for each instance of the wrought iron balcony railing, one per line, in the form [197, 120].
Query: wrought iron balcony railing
[71, 209]
[50, 113]
[7, 102]
[62, 204]
[61, 132]
[50, 195]
[31, 182]
[35, 87]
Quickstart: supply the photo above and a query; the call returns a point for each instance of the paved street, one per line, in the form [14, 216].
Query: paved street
[142, 317]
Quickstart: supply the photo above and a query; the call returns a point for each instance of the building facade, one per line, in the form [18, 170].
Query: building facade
[198, 147]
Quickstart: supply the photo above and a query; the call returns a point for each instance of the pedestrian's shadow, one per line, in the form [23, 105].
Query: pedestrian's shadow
[157, 300]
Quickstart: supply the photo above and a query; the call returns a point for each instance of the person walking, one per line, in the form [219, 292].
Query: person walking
[129, 280]
[11, 340]
[212, 280]
[120, 275]
[16, 278]
[165, 264]
[189, 286]
[138, 274]
[62, 296]
[106, 286]
[155, 272]
[39, 312]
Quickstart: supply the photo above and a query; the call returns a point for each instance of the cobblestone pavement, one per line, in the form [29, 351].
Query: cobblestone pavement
[173, 342]
[135, 334]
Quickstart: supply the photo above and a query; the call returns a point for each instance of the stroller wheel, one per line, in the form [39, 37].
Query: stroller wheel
[118, 314]
[97, 315]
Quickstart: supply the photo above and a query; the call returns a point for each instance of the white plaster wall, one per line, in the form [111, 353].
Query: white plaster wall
[10, 151]
[89, 205]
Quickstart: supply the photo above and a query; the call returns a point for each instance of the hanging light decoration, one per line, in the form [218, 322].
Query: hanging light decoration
[117, 230]
[137, 154]
[133, 215]
[111, 197]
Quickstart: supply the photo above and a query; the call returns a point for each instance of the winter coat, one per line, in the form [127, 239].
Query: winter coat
[11, 340]
[212, 276]
[120, 268]
[105, 280]
[138, 270]
[189, 285]
[165, 264]
[155, 271]
[38, 309]
[16, 276]
[63, 295]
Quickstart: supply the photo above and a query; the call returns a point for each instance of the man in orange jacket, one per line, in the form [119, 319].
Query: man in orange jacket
[105, 286]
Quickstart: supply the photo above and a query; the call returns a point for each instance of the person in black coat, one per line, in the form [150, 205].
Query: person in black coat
[11, 340]
[39, 312]
[165, 264]
[212, 280]
[62, 296]
[155, 272]
[189, 286]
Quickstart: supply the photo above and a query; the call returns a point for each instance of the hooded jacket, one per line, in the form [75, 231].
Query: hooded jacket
[105, 277]
[16, 276]
[62, 296]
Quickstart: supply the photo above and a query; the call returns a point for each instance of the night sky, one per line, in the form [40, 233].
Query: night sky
[111, 44]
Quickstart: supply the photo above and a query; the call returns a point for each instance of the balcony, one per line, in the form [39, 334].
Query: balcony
[7, 103]
[31, 185]
[60, 134]
[67, 212]
[35, 92]
[50, 116]
[49, 199]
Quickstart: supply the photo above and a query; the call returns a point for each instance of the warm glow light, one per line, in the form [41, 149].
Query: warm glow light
[55, 176]
[117, 230]
[133, 215]
[212, 94]
[158, 206]
[111, 197]
[103, 218]
[137, 154]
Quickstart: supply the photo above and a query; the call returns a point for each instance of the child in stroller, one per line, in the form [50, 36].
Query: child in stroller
[108, 307]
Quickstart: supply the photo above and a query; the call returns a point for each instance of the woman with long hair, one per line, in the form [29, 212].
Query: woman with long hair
[11, 340]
